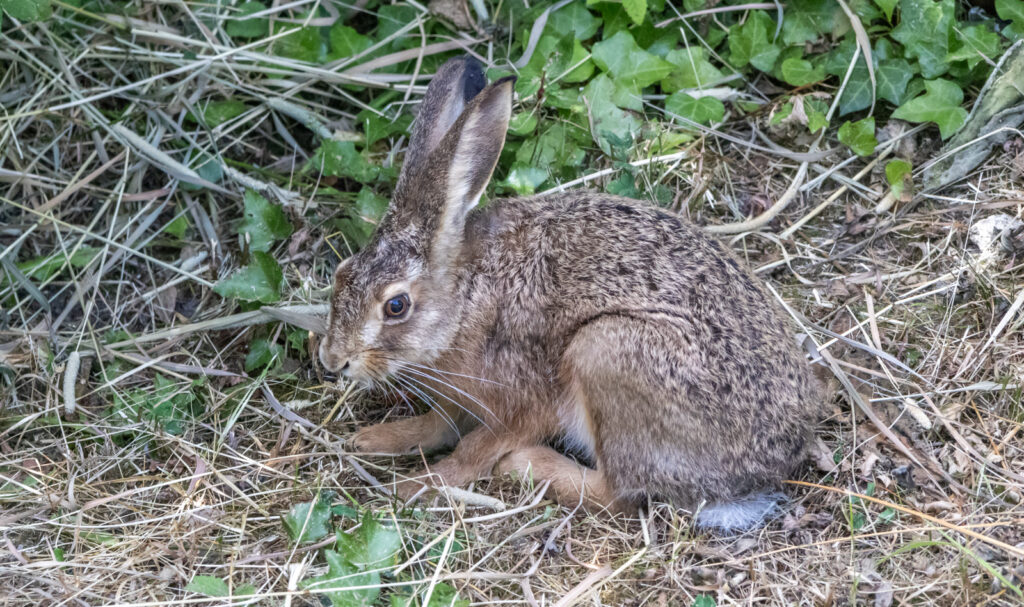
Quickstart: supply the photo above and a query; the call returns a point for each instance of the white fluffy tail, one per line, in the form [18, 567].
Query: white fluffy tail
[741, 514]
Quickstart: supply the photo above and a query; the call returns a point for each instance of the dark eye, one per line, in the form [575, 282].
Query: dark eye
[397, 306]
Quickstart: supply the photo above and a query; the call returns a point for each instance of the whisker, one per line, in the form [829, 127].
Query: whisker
[453, 387]
[434, 406]
[436, 370]
[448, 398]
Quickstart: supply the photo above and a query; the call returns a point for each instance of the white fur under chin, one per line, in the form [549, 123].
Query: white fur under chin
[742, 514]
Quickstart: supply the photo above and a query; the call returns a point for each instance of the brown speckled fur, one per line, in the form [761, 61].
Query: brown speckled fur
[616, 326]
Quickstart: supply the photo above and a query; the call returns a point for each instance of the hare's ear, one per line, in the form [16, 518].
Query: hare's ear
[456, 82]
[468, 154]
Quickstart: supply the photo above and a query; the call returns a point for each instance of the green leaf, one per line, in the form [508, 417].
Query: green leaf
[692, 70]
[370, 207]
[1012, 10]
[525, 180]
[370, 546]
[346, 579]
[443, 595]
[807, 20]
[816, 111]
[704, 600]
[887, 6]
[264, 222]
[703, 110]
[892, 76]
[256, 27]
[751, 42]
[341, 159]
[215, 113]
[859, 136]
[178, 225]
[636, 9]
[208, 585]
[979, 43]
[924, 30]
[522, 124]
[939, 104]
[899, 174]
[346, 42]
[45, 267]
[608, 120]
[628, 63]
[800, 72]
[262, 353]
[27, 10]
[259, 281]
[584, 65]
[302, 44]
[308, 521]
[574, 18]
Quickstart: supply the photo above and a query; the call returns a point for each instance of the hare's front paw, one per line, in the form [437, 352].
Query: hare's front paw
[382, 438]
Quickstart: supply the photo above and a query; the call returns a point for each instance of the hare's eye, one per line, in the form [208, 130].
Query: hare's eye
[397, 306]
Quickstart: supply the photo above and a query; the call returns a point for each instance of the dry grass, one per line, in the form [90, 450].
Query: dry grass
[925, 348]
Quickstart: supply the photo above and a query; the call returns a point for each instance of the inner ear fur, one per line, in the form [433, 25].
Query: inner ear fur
[456, 82]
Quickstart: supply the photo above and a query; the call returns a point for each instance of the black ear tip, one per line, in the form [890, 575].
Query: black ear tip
[473, 78]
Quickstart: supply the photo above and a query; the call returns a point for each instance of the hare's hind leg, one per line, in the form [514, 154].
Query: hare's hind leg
[571, 483]
[656, 431]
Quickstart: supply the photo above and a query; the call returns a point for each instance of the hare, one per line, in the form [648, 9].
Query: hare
[613, 326]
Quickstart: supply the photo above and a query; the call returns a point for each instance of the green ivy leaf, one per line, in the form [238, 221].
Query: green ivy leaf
[899, 174]
[264, 222]
[256, 27]
[308, 521]
[178, 225]
[892, 76]
[522, 124]
[800, 72]
[443, 595]
[584, 65]
[607, 119]
[703, 110]
[1012, 10]
[216, 113]
[346, 42]
[628, 63]
[887, 6]
[857, 94]
[692, 70]
[262, 353]
[939, 104]
[816, 111]
[574, 18]
[807, 20]
[636, 9]
[302, 44]
[751, 42]
[370, 207]
[27, 10]
[704, 600]
[341, 159]
[859, 136]
[342, 583]
[208, 585]
[924, 30]
[370, 546]
[525, 180]
[259, 281]
[979, 43]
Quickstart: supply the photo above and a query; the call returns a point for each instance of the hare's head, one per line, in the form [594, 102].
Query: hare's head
[394, 303]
